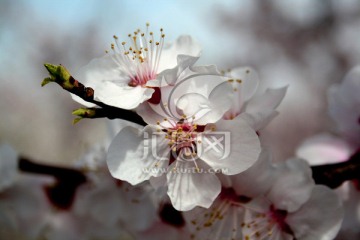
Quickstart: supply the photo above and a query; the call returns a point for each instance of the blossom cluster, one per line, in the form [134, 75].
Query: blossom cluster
[198, 167]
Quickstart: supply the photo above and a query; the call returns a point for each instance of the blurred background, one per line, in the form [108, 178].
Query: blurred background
[305, 44]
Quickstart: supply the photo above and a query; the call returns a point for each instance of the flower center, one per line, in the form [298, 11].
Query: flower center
[182, 137]
[267, 225]
[139, 58]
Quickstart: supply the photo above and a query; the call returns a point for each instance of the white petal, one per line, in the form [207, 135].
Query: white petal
[256, 180]
[207, 98]
[324, 148]
[249, 81]
[259, 120]
[207, 70]
[122, 96]
[96, 72]
[152, 113]
[171, 76]
[8, 166]
[133, 154]
[319, 218]
[293, 185]
[190, 189]
[184, 45]
[267, 101]
[238, 150]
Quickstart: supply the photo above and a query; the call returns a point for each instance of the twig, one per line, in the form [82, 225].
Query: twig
[333, 175]
[68, 180]
[60, 75]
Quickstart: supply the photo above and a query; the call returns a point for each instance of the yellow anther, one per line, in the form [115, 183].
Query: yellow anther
[239, 80]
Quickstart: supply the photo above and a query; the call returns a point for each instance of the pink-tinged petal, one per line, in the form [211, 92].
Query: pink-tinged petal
[319, 218]
[188, 188]
[184, 45]
[248, 79]
[238, 150]
[96, 72]
[259, 120]
[122, 96]
[293, 185]
[257, 180]
[267, 101]
[344, 104]
[134, 155]
[323, 149]
[8, 166]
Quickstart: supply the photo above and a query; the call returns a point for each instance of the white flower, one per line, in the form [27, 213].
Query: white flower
[344, 102]
[257, 110]
[224, 218]
[284, 204]
[120, 78]
[8, 166]
[180, 138]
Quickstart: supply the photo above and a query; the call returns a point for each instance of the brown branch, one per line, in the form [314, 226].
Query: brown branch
[61, 76]
[68, 180]
[333, 175]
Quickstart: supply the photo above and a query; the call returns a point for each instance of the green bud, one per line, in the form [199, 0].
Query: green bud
[85, 112]
[58, 74]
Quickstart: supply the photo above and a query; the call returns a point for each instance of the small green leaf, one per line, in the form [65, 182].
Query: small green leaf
[46, 81]
[76, 120]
